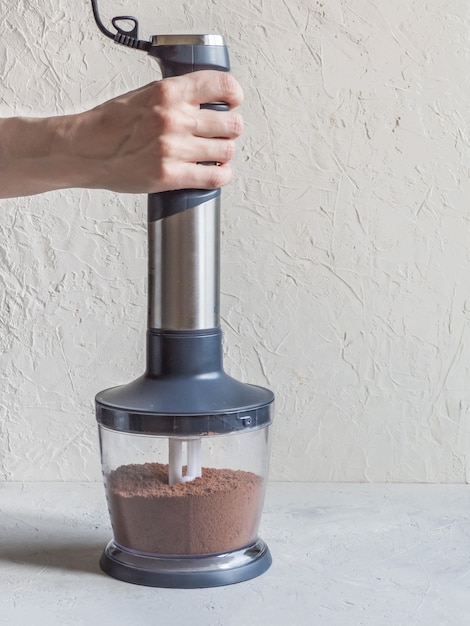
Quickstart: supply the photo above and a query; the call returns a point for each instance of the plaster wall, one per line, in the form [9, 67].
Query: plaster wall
[345, 236]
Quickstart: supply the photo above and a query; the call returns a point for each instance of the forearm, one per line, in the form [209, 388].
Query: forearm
[36, 155]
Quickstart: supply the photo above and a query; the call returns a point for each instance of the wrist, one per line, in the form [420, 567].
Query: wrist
[71, 143]
[87, 144]
[38, 155]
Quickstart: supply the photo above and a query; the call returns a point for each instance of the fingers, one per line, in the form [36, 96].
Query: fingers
[203, 176]
[206, 150]
[187, 136]
[199, 88]
[212, 86]
[228, 125]
[202, 123]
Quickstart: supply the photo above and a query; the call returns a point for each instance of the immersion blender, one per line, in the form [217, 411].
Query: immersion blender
[184, 416]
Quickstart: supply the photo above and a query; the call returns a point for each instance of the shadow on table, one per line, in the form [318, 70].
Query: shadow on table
[51, 541]
[81, 557]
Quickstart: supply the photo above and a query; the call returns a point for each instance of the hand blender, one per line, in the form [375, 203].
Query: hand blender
[184, 447]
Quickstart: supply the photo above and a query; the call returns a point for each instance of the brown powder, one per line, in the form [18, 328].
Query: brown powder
[216, 513]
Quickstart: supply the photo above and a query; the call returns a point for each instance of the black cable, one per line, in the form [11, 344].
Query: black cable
[129, 38]
[98, 21]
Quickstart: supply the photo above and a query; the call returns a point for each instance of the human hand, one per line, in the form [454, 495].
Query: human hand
[148, 140]
[153, 139]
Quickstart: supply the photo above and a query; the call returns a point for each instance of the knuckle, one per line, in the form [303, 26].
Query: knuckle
[236, 125]
[193, 125]
[230, 88]
[219, 177]
[166, 119]
[229, 150]
[162, 145]
[166, 91]
[165, 174]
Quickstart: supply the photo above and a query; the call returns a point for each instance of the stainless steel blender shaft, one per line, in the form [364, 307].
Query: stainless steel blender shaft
[184, 269]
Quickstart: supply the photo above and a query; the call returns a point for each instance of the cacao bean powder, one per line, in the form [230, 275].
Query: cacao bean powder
[217, 513]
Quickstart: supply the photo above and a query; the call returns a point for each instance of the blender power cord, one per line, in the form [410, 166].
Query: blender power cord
[129, 38]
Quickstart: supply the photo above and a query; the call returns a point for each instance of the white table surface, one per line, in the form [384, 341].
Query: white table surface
[348, 555]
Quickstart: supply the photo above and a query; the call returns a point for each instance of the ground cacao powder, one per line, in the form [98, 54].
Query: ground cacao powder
[216, 513]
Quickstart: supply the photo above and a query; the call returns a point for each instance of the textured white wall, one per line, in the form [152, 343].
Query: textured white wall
[346, 239]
